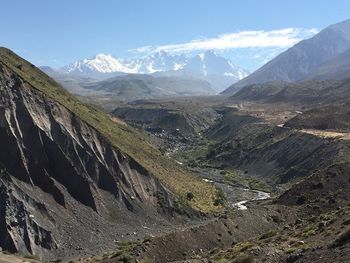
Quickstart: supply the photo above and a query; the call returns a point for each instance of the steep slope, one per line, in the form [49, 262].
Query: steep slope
[69, 172]
[134, 86]
[303, 58]
[335, 68]
[280, 155]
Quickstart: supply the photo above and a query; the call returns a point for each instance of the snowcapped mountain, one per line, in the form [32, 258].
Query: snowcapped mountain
[104, 64]
[218, 71]
[98, 66]
[160, 61]
[210, 63]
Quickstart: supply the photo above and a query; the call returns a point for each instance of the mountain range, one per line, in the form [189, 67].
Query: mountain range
[320, 57]
[209, 66]
[102, 64]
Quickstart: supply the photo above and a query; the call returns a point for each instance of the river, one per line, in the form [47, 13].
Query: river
[259, 195]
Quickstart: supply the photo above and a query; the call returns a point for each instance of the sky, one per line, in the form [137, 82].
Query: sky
[249, 32]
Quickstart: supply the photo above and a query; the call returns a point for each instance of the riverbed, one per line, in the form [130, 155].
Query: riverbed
[237, 196]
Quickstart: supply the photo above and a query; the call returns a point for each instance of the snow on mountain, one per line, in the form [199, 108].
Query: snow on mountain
[100, 63]
[161, 61]
[210, 63]
[218, 71]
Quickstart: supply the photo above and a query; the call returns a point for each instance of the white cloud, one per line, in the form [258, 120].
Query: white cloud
[282, 38]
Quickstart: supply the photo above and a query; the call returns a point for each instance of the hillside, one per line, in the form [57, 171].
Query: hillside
[306, 218]
[309, 93]
[332, 118]
[133, 87]
[72, 170]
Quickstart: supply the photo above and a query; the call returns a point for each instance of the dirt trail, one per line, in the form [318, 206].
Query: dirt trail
[328, 134]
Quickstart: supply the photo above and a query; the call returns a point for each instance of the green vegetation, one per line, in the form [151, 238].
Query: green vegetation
[197, 156]
[221, 198]
[129, 141]
[190, 196]
[239, 178]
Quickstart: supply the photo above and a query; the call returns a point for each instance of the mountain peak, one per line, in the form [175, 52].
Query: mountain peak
[103, 56]
[207, 63]
[210, 63]
[208, 54]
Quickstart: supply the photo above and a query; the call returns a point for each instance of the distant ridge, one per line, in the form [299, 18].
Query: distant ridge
[302, 59]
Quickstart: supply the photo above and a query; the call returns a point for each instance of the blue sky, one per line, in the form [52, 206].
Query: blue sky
[58, 32]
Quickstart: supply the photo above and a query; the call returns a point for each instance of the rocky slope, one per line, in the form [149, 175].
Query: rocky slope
[72, 180]
[277, 154]
[172, 123]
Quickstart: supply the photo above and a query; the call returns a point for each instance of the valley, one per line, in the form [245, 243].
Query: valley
[256, 156]
[172, 152]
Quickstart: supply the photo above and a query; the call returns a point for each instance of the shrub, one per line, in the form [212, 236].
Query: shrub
[220, 197]
[189, 196]
[126, 259]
